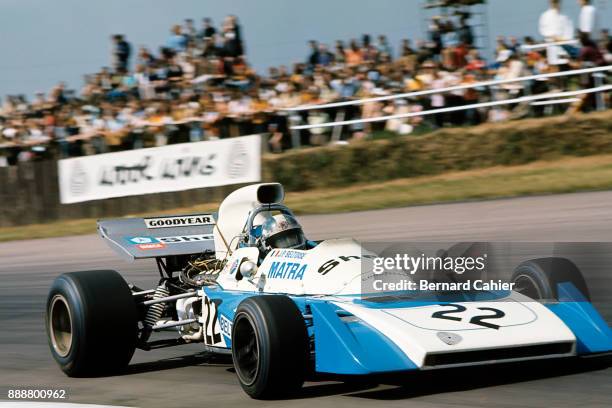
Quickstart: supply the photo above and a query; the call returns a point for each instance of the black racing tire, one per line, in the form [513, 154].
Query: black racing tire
[269, 346]
[538, 278]
[91, 323]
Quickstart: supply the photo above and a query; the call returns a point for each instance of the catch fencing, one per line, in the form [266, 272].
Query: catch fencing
[596, 72]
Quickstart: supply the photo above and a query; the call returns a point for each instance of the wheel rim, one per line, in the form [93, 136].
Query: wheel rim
[527, 286]
[245, 344]
[60, 325]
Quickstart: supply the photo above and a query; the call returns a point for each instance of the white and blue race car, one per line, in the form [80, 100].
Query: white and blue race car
[246, 282]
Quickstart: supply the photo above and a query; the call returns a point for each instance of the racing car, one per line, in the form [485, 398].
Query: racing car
[246, 282]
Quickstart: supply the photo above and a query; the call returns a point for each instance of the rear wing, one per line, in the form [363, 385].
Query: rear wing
[154, 237]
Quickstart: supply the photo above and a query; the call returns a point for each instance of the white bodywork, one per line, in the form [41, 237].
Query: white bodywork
[412, 329]
[416, 333]
[233, 213]
[344, 278]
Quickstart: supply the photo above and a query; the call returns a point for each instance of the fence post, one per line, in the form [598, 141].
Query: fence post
[599, 99]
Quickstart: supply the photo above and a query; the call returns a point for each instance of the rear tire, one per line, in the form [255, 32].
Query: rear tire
[538, 278]
[269, 347]
[92, 323]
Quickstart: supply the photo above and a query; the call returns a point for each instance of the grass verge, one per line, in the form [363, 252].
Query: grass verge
[542, 177]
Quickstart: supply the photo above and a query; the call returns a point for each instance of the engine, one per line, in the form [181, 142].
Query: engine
[176, 303]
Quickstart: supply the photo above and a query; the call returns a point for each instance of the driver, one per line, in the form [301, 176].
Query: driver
[281, 231]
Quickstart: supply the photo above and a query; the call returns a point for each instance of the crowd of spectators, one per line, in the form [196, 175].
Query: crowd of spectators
[200, 86]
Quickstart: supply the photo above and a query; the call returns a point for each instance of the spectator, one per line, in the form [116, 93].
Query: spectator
[435, 35]
[121, 53]
[190, 31]
[368, 50]
[555, 26]
[605, 44]
[423, 52]
[325, 57]
[145, 58]
[210, 49]
[500, 44]
[204, 88]
[208, 31]
[232, 37]
[340, 52]
[384, 48]
[408, 58]
[313, 57]
[474, 62]
[177, 41]
[354, 55]
[514, 45]
[238, 32]
[589, 55]
[604, 38]
[587, 21]
[464, 32]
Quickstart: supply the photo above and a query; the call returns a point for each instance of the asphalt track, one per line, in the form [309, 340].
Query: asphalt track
[182, 377]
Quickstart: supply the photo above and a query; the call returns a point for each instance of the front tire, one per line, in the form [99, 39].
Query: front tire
[91, 322]
[538, 278]
[269, 346]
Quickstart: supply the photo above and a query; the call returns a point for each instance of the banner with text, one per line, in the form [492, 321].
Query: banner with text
[176, 167]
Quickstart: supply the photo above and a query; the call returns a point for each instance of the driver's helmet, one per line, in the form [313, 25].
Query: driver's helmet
[282, 231]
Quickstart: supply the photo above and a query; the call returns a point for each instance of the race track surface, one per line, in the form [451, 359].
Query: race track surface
[182, 377]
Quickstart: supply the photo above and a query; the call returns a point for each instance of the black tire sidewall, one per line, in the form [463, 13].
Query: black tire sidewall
[104, 322]
[66, 288]
[547, 273]
[283, 346]
[254, 315]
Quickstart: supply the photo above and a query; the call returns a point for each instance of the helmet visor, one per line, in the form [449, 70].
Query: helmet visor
[292, 238]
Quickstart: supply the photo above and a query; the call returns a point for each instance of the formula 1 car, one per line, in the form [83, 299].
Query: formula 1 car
[246, 282]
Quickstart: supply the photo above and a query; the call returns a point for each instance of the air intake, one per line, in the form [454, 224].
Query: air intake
[477, 356]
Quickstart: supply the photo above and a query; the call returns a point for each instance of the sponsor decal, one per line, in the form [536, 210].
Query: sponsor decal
[226, 326]
[449, 338]
[141, 240]
[179, 221]
[174, 167]
[182, 239]
[332, 263]
[156, 245]
[238, 163]
[287, 270]
[79, 180]
[234, 266]
[287, 253]
[212, 335]
[135, 172]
